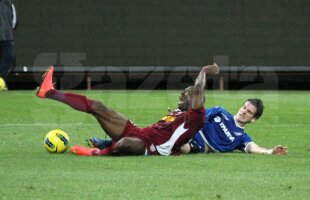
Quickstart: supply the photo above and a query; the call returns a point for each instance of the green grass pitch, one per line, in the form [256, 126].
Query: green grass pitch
[28, 171]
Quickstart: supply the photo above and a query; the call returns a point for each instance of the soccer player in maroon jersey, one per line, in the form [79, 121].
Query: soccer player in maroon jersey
[162, 138]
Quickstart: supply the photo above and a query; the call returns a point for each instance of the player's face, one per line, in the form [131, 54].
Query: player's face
[246, 113]
[185, 99]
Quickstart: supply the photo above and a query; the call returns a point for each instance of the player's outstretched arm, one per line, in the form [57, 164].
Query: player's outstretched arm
[200, 82]
[277, 150]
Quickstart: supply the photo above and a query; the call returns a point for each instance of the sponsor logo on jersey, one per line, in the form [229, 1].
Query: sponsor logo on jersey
[169, 118]
[217, 119]
[238, 133]
[226, 131]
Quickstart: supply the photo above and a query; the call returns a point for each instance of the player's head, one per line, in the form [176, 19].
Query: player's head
[250, 111]
[185, 99]
[259, 107]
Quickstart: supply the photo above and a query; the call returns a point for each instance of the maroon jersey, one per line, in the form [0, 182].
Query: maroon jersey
[168, 135]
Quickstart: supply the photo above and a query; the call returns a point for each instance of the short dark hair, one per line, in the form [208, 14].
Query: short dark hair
[258, 103]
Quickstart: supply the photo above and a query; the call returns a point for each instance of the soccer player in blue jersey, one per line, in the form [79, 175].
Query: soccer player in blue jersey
[224, 132]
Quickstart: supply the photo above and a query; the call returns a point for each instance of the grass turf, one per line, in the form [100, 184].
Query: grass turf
[27, 171]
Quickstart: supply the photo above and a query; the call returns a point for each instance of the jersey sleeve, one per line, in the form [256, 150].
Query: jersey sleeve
[245, 141]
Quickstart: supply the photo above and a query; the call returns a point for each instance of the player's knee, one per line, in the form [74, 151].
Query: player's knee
[132, 146]
[98, 107]
[125, 144]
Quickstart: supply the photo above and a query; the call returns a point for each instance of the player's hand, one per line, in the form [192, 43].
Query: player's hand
[280, 150]
[211, 69]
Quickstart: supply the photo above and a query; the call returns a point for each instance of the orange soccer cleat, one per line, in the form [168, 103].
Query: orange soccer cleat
[84, 151]
[47, 83]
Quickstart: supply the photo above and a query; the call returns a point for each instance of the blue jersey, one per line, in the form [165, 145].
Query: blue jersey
[221, 132]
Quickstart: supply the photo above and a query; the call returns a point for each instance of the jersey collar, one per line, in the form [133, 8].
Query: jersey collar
[237, 123]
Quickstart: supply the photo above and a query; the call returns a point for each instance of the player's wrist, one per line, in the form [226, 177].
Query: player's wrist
[205, 70]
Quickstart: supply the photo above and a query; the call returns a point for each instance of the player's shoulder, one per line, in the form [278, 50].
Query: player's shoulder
[217, 109]
[245, 134]
[247, 138]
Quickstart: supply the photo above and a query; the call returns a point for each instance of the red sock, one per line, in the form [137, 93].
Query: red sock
[76, 101]
[108, 150]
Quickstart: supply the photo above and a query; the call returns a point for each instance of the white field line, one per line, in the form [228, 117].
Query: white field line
[140, 125]
[50, 124]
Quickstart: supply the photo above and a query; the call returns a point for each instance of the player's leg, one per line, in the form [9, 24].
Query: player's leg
[47, 90]
[130, 146]
[124, 146]
[76, 101]
[112, 122]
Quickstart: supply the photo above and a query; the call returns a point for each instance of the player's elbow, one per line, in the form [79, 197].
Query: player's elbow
[185, 149]
[251, 148]
[197, 102]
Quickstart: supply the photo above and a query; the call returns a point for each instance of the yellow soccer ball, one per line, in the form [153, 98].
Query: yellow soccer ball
[56, 141]
[2, 84]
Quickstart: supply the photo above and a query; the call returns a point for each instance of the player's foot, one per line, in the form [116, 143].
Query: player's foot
[99, 143]
[84, 151]
[47, 83]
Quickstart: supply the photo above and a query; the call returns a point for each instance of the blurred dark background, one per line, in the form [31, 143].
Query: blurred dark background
[165, 33]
